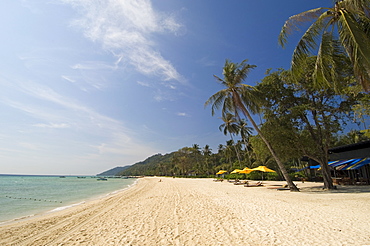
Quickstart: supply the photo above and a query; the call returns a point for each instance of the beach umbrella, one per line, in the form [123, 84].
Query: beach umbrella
[221, 172]
[246, 170]
[236, 171]
[263, 169]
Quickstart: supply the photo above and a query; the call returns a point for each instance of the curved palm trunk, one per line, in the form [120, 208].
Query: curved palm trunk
[283, 170]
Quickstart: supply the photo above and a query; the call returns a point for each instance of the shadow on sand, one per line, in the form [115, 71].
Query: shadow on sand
[340, 189]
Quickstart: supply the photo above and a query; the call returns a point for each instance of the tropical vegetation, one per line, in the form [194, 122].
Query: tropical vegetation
[238, 98]
[203, 162]
[341, 29]
[301, 112]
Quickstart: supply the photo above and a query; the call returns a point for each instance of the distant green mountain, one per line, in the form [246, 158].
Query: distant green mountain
[114, 171]
[150, 166]
[147, 167]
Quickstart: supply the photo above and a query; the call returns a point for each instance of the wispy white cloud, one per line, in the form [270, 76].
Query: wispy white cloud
[104, 134]
[205, 61]
[68, 78]
[125, 28]
[93, 65]
[183, 114]
[145, 84]
[52, 125]
[163, 95]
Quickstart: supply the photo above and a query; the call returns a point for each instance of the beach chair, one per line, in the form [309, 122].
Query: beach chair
[218, 180]
[259, 183]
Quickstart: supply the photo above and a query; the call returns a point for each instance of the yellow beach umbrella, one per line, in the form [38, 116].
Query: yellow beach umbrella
[237, 171]
[246, 170]
[221, 172]
[263, 169]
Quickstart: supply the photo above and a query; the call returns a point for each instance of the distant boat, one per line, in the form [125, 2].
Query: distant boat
[62, 176]
[102, 179]
[81, 177]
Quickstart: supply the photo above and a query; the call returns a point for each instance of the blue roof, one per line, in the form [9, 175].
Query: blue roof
[350, 164]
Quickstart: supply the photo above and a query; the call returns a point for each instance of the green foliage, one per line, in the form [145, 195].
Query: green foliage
[192, 163]
[334, 32]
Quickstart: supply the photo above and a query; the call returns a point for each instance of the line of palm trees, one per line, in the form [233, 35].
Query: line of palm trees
[236, 126]
[342, 29]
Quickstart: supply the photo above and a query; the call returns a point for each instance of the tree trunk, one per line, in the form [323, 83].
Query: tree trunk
[328, 181]
[283, 170]
[325, 170]
[236, 150]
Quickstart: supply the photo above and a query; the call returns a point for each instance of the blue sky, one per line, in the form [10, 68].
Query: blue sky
[88, 85]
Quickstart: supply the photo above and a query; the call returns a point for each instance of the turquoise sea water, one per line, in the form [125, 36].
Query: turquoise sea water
[22, 196]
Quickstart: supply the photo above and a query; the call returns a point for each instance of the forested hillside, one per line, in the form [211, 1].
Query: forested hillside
[203, 162]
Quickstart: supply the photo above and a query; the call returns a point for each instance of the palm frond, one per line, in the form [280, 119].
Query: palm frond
[356, 6]
[293, 23]
[251, 98]
[219, 79]
[356, 43]
[228, 106]
[217, 100]
[326, 72]
[309, 43]
[243, 71]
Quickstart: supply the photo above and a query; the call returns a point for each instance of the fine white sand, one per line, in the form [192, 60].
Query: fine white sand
[203, 212]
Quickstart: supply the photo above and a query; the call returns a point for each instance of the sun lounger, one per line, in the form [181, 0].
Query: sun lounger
[277, 186]
[218, 180]
[259, 183]
[280, 187]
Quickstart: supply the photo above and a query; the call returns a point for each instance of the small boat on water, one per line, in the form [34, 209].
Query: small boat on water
[102, 179]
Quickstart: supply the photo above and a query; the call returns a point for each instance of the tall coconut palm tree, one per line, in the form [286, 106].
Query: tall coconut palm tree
[231, 127]
[196, 153]
[348, 21]
[230, 152]
[220, 148]
[241, 98]
[245, 132]
[207, 151]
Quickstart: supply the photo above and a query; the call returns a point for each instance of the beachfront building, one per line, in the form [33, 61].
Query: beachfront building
[351, 163]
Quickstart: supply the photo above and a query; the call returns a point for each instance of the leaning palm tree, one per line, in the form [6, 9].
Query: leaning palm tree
[345, 27]
[239, 98]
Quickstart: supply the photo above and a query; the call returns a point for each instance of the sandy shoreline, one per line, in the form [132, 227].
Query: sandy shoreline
[202, 212]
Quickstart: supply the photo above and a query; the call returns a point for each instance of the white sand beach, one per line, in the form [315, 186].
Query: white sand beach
[202, 212]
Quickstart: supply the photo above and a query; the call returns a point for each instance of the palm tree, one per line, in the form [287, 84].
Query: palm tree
[207, 151]
[230, 126]
[221, 148]
[348, 21]
[238, 97]
[245, 132]
[196, 153]
[229, 152]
